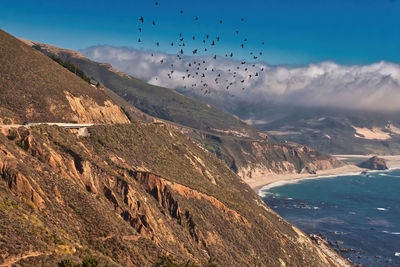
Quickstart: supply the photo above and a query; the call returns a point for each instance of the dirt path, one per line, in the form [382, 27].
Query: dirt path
[14, 259]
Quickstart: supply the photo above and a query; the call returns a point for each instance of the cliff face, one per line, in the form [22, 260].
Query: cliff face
[128, 194]
[255, 158]
[34, 88]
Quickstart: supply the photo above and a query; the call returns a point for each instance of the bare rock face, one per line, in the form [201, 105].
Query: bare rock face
[374, 163]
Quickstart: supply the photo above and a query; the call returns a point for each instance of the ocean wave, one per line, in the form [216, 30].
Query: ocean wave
[382, 209]
[392, 233]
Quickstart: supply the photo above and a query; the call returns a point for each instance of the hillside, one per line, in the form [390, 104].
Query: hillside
[249, 153]
[34, 88]
[130, 194]
[335, 131]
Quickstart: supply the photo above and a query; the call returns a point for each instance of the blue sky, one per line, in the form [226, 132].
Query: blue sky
[295, 32]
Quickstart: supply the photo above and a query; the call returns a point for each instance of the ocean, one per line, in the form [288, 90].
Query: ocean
[357, 214]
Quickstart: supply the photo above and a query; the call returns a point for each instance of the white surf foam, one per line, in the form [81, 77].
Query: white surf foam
[392, 233]
[382, 209]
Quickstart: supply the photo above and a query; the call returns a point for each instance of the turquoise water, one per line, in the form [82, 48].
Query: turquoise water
[357, 214]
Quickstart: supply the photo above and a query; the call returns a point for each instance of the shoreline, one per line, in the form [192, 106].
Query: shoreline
[274, 180]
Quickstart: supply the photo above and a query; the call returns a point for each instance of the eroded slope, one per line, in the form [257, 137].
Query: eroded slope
[130, 193]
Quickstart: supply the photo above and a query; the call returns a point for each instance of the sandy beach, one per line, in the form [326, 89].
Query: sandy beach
[351, 168]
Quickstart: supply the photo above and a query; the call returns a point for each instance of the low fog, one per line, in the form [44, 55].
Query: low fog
[374, 87]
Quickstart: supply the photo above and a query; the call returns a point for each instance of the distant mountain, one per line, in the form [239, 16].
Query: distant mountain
[248, 152]
[34, 88]
[333, 131]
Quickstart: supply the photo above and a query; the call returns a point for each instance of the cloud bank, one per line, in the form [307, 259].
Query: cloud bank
[373, 87]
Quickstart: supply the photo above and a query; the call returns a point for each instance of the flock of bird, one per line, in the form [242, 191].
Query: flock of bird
[198, 75]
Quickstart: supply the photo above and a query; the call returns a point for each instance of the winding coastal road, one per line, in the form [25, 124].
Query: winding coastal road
[60, 124]
[81, 127]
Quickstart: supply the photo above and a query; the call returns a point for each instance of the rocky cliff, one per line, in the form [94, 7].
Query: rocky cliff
[129, 194]
[34, 88]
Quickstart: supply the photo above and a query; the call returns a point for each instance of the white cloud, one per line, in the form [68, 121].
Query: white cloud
[367, 87]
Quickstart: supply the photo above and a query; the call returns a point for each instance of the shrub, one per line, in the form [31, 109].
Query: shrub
[66, 263]
[90, 262]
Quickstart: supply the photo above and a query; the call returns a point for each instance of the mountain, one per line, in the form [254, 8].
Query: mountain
[34, 88]
[248, 152]
[333, 131]
[133, 194]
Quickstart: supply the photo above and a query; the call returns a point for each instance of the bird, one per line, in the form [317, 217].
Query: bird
[220, 22]
[215, 56]
[172, 44]
[140, 29]
[262, 43]
[154, 23]
[242, 45]
[217, 38]
[141, 19]
[213, 43]
[231, 55]
[242, 19]
[194, 51]
[139, 40]
[207, 36]
[245, 39]
[181, 39]
[162, 61]
[158, 43]
[196, 18]
[181, 11]
[156, 3]
[237, 32]
[194, 37]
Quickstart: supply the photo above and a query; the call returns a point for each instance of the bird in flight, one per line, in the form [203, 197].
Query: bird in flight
[141, 19]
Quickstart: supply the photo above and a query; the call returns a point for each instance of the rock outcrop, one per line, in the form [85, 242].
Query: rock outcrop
[374, 163]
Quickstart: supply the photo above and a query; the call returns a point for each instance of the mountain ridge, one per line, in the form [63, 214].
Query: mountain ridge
[230, 139]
